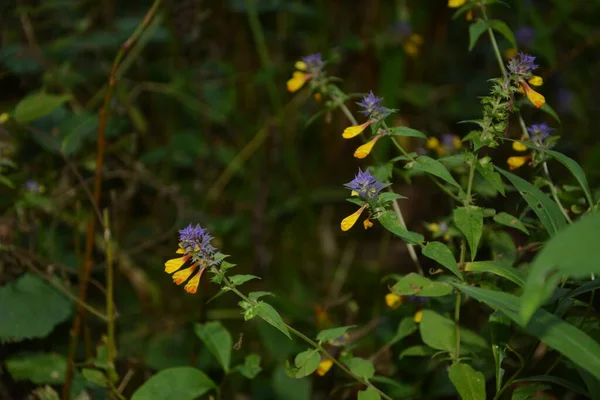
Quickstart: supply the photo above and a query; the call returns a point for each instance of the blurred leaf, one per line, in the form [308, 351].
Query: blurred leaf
[504, 30]
[502, 246]
[288, 388]
[433, 167]
[333, 333]
[546, 209]
[508, 220]
[573, 252]
[46, 393]
[217, 340]
[38, 368]
[180, 383]
[488, 173]
[530, 391]
[586, 287]
[390, 221]
[251, 366]
[556, 381]
[95, 376]
[38, 105]
[556, 333]
[406, 327]
[592, 384]
[416, 285]
[437, 332]
[306, 363]
[240, 279]
[439, 252]
[361, 367]
[470, 384]
[470, 222]
[406, 131]
[75, 130]
[499, 268]
[271, 316]
[369, 394]
[476, 29]
[417, 351]
[31, 308]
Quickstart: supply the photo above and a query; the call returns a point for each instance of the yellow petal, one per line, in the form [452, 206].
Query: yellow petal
[301, 65]
[355, 130]
[456, 3]
[366, 148]
[180, 250]
[537, 99]
[192, 285]
[393, 300]
[297, 81]
[518, 146]
[4, 117]
[180, 276]
[367, 223]
[432, 143]
[536, 81]
[324, 366]
[418, 316]
[351, 219]
[510, 53]
[456, 142]
[516, 161]
[174, 264]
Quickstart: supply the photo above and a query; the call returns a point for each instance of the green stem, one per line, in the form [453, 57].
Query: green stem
[308, 340]
[493, 40]
[110, 302]
[470, 182]
[555, 192]
[513, 377]
[457, 326]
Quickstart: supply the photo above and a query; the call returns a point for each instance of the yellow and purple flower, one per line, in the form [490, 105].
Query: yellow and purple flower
[539, 135]
[449, 144]
[522, 67]
[367, 187]
[374, 111]
[310, 67]
[195, 247]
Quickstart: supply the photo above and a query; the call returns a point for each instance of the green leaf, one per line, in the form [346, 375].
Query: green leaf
[217, 340]
[333, 333]
[361, 367]
[469, 384]
[95, 376]
[546, 209]
[470, 222]
[476, 29]
[389, 196]
[487, 172]
[38, 105]
[417, 351]
[406, 131]
[369, 394]
[592, 384]
[406, 327]
[307, 362]
[508, 220]
[240, 279]
[504, 30]
[31, 308]
[548, 110]
[439, 252]
[497, 268]
[437, 332]
[573, 343]
[180, 383]
[417, 285]
[433, 167]
[572, 252]
[38, 368]
[390, 221]
[257, 295]
[530, 391]
[555, 381]
[271, 316]
[251, 366]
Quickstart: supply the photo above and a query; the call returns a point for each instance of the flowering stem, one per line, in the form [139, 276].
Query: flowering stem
[493, 40]
[308, 340]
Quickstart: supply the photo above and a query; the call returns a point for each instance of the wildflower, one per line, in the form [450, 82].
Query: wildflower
[456, 3]
[538, 135]
[522, 67]
[516, 161]
[365, 149]
[510, 53]
[525, 35]
[393, 300]
[194, 244]
[310, 67]
[367, 187]
[413, 44]
[448, 144]
[418, 316]
[374, 112]
[324, 366]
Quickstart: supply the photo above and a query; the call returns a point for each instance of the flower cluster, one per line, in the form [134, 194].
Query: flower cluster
[521, 67]
[310, 67]
[394, 301]
[375, 112]
[367, 187]
[539, 136]
[194, 244]
[447, 145]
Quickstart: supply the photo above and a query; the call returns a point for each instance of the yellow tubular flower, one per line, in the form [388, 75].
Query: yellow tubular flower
[192, 285]
[516, 161]
[536, 99]
[4, 117]
[180, 276]
[518, 146]
[297, 81]
[432, 143]
[301, 65]
[418, 316]
[367, 223]
[175, 263]
[355, 130]
[366, 148]
[536, 81]
[351, 219]
[456, 3]
[393, 301]
[324, 367]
